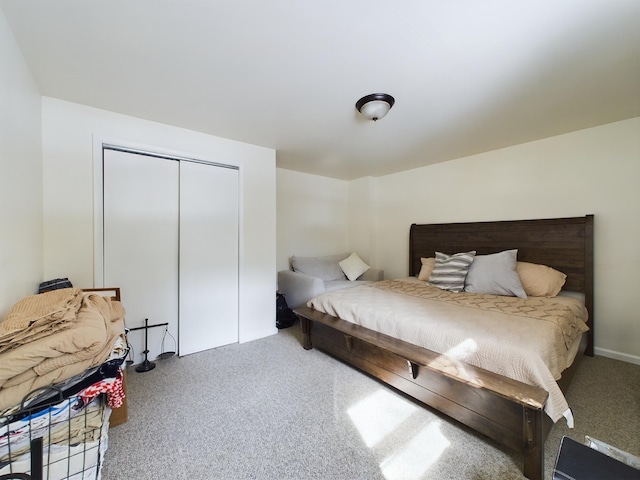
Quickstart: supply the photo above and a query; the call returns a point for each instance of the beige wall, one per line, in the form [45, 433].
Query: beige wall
[68, 133]
[590, 171]
[312, 216]
[362, 224]
[20, 175]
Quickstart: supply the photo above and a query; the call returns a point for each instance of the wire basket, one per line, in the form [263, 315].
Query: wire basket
[65, 439]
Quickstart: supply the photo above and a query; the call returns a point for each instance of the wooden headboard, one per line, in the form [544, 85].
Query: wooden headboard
[565, 244]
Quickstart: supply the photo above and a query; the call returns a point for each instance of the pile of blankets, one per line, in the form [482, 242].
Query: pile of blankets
[48, 338]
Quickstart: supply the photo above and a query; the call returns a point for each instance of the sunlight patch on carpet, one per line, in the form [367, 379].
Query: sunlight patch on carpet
[379, 414]
[417, 455]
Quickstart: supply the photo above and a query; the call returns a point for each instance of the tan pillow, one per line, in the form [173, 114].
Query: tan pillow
[540, 280]
[427, 267]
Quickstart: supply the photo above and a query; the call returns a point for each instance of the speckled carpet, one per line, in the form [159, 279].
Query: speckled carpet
[268, 409]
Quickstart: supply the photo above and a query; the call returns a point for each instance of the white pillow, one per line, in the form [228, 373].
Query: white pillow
[353, 266]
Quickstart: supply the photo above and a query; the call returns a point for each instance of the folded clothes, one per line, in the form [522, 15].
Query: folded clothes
[68, 423]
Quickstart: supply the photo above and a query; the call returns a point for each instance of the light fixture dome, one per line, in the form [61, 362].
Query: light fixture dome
[375, 106]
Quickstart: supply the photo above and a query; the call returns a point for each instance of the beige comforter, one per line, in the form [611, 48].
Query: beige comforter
[51, 337]
[531, 340]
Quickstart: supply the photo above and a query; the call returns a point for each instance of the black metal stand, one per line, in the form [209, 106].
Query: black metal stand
[146, 365]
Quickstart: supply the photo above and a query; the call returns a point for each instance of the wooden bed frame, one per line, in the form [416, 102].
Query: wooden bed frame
[506, 410]
[113, 292]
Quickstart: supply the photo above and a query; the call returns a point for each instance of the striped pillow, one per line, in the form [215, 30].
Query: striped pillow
[450, 271]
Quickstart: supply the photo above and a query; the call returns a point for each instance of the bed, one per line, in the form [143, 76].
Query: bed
[506, 410]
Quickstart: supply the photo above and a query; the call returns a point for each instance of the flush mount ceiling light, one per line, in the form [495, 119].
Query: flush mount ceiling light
[375, 106]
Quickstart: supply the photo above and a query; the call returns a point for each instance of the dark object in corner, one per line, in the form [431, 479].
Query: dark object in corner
[579, 462]
[54, 284]
[284, 315]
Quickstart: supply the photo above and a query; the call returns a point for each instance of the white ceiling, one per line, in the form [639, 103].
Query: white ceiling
[468, 76]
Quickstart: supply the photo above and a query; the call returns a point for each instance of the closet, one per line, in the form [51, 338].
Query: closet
[170, 242]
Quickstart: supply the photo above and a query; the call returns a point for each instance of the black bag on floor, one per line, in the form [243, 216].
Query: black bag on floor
[284, 315]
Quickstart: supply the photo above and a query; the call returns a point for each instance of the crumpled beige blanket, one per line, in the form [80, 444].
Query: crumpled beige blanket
[530, 340]
[38, 315]
[46, 339]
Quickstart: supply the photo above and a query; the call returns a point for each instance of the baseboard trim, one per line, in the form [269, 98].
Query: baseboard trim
[625, 357]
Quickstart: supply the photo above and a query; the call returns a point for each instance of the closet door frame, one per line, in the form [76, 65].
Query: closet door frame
[100, 143]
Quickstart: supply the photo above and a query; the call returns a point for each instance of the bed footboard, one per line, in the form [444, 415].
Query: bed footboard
[508, 411]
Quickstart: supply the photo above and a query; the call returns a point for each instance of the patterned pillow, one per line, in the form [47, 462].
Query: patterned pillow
[450, 271]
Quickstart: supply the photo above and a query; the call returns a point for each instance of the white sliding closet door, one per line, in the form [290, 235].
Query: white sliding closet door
[208, 256]
[141, 232]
